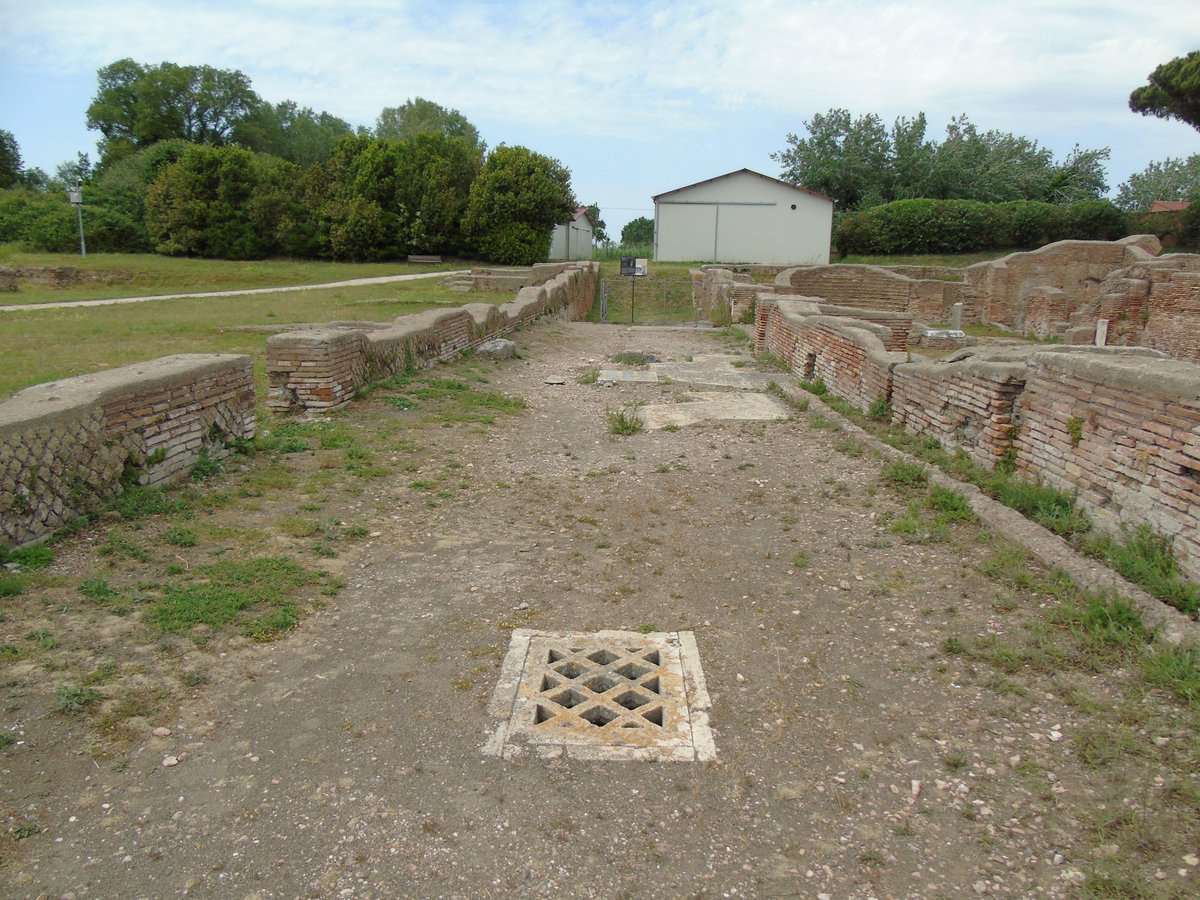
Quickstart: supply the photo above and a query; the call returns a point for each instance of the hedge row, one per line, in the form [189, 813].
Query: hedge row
[961, 226]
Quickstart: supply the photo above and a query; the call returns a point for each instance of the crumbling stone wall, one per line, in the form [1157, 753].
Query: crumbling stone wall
[875, 287]
[1123, 429]
[68, 446]
[1000, 288]
[321, 367]
[507, 279]
[965, 401]
[849, 355]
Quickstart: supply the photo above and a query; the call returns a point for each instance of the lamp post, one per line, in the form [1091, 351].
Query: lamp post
[75, 197]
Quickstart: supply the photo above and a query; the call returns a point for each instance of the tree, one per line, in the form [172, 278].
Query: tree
[861, 164]
[71, 171]
[599, 235]
[638, 232]
[11, 165]
[1171, 179]
[421, 116]
[515, 203]
[136, 106]
[1172, 92]
[843, 157]
[294, 133]
[221, 202]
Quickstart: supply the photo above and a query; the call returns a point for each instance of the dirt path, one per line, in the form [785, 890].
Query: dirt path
[859, 755]
[352, 282]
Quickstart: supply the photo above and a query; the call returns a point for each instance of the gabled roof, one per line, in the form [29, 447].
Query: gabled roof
[1169, 205]
[800, 190]
[580, 213]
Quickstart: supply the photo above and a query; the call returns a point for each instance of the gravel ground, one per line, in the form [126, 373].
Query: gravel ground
[856, 756]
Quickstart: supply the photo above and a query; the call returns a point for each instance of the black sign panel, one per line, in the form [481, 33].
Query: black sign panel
[628, 265]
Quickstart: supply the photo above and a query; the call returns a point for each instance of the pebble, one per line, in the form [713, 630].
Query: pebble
[1055, 736]
[160, 731]
[1192, 859]
[1014, 760]
[171, 761]
[521, 606]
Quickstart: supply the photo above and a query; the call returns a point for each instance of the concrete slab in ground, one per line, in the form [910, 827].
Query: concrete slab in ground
[710, 406]
[626, 376]
[713, 370]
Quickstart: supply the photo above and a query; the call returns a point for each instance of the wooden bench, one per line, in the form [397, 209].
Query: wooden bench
[417, 258]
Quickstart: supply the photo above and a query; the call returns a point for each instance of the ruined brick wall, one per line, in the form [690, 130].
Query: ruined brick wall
[1124, 431]
[322, 367]
[999, 288]
[849, 355]
[68, 446]
[874, 287]
[968, 403]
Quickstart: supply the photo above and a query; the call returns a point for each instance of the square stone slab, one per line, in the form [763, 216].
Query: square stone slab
[710, 406]
[626, 376]
[607, 695]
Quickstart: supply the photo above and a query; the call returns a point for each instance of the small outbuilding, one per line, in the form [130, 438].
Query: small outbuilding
[573, 239]
[743, 217]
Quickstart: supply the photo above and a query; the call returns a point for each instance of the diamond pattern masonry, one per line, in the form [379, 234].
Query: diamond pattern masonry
[606, 695]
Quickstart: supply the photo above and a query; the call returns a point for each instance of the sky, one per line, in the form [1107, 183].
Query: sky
[635, 98]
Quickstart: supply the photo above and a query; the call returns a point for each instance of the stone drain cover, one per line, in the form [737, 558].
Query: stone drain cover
[602, 695]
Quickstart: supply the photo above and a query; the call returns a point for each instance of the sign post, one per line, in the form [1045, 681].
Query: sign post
[75, 198]
[634, 267]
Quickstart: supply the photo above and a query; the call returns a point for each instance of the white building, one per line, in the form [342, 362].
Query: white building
[573, 240]
[742, 217]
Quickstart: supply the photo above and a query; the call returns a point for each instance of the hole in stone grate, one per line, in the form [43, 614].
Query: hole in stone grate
[631, 671]
[569, 698]
[549, 682]
[554, 656]
[630, 700]
[601, 683]
[598, 716]
[651, 684]
[655, 716]
[652, 657]
[570, 670]
[603, 657]
[542, 715]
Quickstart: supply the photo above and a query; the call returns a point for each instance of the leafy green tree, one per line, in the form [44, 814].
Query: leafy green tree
[1171, 179]
[11, 165]
[71, 171]
[1172, 91]
[221, 202]
[861, 164]
[638, 232]
[843, 157]
[294, 133]
[136, 105]
[515, 203]
[421, 116]
[598, 227]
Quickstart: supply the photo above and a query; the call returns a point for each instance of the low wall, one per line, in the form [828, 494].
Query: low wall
[875, 287]
[1000, 287]
[966, 401]
[1122, 429]
[68, 446]
[849, 356]
[321, 368]
[508, 279]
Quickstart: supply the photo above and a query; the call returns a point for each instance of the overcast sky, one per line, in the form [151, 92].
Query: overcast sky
[635, 98]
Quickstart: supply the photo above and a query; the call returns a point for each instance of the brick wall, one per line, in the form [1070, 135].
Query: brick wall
[1124, 431]
[68, 446]
[1079, 268]
[849, 355]
[967, 403]
[873, 287]
[321, 368]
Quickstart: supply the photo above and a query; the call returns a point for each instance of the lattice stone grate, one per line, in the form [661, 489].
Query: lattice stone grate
[607, 695]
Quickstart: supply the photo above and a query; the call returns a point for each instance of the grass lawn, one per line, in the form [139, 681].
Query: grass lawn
[143, 274]
[44, 345]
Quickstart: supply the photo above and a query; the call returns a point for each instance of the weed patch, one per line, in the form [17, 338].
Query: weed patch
[626, 420]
